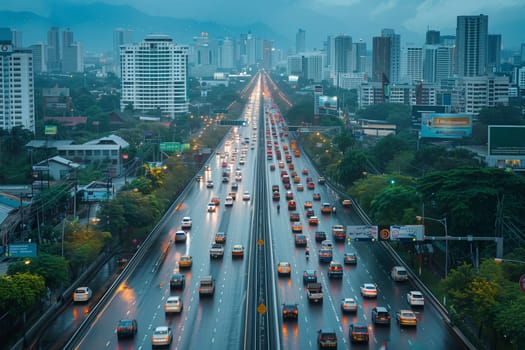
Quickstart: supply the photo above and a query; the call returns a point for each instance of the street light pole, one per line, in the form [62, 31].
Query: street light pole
[443, 222]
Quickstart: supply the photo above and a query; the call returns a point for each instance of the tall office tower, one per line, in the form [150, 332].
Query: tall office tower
[359, 56]
[381, 47]
[267, 54]
[226, 54]
[313, 66]
[39, 57]
[414, 64]
[433, 37]
[18, 41]
[522, 53]
[250, 49]
[395, 54]
[472, 45]
[154, 76]
[448, 40]
[17, 99]
[72, 59]
[342, 56]
[67, 38]
[437, 63]
[54, 52]
[494, 53]
[294, 65]
[120, 37]
[300, 41]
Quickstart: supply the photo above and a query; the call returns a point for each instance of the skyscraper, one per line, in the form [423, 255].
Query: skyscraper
[414, 64]
[395, 54]
[39, 57]
[359, 56]
[154, 76]
[437, 63]
[342, 55]
[494, 53]
[54, 52]
[300, 41]
[433, 37]
[17, 100]
[381, 47]
[120, 37]
[472, 45]
[226, 54]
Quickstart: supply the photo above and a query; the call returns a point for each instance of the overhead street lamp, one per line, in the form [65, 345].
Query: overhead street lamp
[443, 222]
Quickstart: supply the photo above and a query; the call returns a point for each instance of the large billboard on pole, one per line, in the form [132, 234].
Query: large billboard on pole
[446, 125]
[506, 140]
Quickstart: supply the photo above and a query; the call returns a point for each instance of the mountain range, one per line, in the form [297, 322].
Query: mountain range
[93, 25]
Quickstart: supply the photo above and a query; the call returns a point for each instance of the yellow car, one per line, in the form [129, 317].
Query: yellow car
[185, 261]
[297, 227]
[406, 318]
[307, 204]
[284, 268]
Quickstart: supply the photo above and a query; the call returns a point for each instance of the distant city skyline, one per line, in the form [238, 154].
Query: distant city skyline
[320, 18]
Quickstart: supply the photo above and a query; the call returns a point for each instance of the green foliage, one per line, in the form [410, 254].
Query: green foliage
[302, 112]
[386, 149]
[53, 269]
[20, 292]
[351, 168]
[394, 205]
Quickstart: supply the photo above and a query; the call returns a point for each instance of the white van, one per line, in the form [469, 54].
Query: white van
[399, 274]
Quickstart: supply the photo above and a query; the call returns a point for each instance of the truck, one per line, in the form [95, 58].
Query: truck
[216, 251]
[339, 233]
[314, 292]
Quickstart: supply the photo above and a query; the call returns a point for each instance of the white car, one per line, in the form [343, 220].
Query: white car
[82, 294]
[162, 336]
[348, 305]
[180, 236]
[186, 222]
[369, 290]
[211, 207]
[246, 196]
[415, 298]
[173, 304]
[209, 184]
[228, 201]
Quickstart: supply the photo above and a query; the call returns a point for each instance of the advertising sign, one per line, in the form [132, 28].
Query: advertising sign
[328, 103]
[362, 233]
[50, 130]
[506, 140]
[446, 125]
[24, 250]
[407, 233]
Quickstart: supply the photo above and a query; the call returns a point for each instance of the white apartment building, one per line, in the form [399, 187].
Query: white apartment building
[154, 75]
[475, 93]
[408, 94]
[17, 93]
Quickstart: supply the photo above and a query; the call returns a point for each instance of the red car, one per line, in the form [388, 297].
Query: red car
[310, 186]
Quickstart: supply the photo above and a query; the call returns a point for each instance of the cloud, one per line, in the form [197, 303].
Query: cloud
[383, 7]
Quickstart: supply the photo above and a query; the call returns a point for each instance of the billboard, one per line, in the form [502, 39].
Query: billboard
[23, 250]
[506, 140]
[362, 233]
[327, 103]
[407, 233]
[446, 125]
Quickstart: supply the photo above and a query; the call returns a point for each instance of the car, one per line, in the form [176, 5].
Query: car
[276, 196]
[406, 318]
[185, 261]
[300, 187]
[198, 178]
[238, 251]
[294, 216]
[180, 236]
[289, 195]
[327, 338]
[162, 336]
[225, 179]
[320, 236]
[290, 311]
[347, 203]
[292, 205]
[228, 201]
[300, 240]
[127, 328]
[177, 281]
[317, 196]
[304, 171]
[335, 270]
[215, 200]
[220, 237]
[348, 305]
[415, 298]
[350, 258]
[82, 294]
[325, 255]
[309, 276]
[326, 208]
[308, 204]
[233, 195]
[206, 286]
[399, 274]
[296, 179]
[358, 333]
[339, 233]
[173, 304]
[272, 167]
[327, 244]
[310, 186]
[321, 180]
[380, 315]
[211, 207]
[287, 185]
[186, 222]
[209, 184]
[369, 290]
[284, 268]
[309, 212]
[246, 196]
[297, 227]
[313, 220]
[235, 186]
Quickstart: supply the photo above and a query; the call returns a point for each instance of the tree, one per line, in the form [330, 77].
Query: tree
[351, 168]
[53, 269]
[20, 292]
[393, 205]
[387, 147]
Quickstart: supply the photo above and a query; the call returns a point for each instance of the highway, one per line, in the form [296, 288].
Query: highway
[218, 322]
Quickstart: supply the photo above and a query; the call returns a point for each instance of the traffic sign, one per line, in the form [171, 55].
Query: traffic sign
[240, 122]
[522, 283]
[23, 250]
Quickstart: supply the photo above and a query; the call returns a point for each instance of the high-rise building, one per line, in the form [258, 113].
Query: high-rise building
[494, 53]
[17, 100]
[267, 54]
[67, 38]
[381, 47]
[414, 64]
[300, 41]
[342, 55]
[395, 54]
[226, 54]
[120, 37]
[294, 65]
[39, 51]
[433, 37]
[54, 52]
[472, 45]
[359, 56]
[522, 53]
[437, 63]
[72, 59]
[154, 76]
[472, 94]
[313, 66]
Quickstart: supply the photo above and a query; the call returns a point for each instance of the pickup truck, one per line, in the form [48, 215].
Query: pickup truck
[206, 286]
[216, 251]
[314, 292]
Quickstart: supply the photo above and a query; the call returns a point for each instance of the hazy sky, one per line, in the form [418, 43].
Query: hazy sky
[359, 18]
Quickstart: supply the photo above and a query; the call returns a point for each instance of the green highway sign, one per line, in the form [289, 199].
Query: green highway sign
[170, 146]
[240, 122]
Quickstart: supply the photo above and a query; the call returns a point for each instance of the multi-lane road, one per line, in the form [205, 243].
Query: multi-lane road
[220, 322]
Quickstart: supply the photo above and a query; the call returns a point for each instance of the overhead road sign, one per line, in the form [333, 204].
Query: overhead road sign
[240, 122]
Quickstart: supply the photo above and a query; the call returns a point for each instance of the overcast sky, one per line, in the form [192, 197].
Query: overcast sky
[359, 18]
